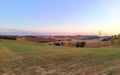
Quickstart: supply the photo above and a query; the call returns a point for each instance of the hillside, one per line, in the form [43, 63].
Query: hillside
[30, 58]
[19, 32]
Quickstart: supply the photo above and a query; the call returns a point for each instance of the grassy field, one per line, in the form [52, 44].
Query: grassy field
[29, 58]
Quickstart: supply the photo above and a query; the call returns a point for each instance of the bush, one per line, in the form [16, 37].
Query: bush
[8, 37]
[119, 38]
[57, 44]
[112, 40]
[80, 44]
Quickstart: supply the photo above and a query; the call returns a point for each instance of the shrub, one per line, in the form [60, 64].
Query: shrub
[57, 44]
[112, 40]
[119, 38]
[80, 44]
[8, 37]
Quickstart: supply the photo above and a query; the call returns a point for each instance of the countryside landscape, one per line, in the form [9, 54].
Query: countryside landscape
[60, 37]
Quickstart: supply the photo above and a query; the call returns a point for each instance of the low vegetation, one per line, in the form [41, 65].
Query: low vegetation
[8, 37]
[70, 43]
[30, 58]
[80, 44]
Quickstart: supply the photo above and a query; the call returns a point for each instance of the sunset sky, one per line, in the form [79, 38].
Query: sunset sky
[61, 16]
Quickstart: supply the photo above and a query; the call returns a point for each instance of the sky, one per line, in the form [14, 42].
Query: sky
[61, 16]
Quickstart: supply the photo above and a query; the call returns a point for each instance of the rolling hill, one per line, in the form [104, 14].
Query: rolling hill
[19, 32]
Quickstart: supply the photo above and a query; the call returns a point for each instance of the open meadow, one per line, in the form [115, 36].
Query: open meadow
[31, 58]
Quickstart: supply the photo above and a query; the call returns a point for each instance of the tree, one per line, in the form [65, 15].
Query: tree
[119, 38]
[112, 40]
[62, 43]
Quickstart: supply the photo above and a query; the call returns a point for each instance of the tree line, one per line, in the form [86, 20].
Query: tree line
[73, 44]
[8, 37]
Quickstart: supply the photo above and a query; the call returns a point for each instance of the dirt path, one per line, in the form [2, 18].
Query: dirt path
[3, 58]
[12, 55]
[8, 55]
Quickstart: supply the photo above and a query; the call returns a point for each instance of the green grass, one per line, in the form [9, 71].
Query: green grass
[30, 58]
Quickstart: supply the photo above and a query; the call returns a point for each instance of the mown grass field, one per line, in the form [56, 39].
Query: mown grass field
[30, 58]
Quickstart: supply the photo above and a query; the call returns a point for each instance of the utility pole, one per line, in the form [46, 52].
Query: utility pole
[99, 40]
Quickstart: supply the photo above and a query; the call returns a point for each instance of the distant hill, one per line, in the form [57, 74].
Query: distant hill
[84, 37]
[18, 32]
[90, 37]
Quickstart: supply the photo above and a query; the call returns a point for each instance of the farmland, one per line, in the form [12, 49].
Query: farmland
[31, 58]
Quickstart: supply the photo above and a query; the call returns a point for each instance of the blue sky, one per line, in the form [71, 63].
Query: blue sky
[61, 16]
